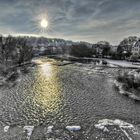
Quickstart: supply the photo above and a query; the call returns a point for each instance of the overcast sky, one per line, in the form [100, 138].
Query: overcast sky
[85, 20]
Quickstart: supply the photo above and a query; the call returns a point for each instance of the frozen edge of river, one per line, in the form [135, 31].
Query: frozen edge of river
[123, 92]
[104, 123]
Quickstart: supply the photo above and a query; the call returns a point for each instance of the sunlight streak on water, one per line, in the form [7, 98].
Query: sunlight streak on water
[47, 70]
[46, 88]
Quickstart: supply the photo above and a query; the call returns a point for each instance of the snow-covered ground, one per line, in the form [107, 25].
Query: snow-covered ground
[73, 128]
[50, 129]
[123, 63]
[124, 126]
[29, 130]
[6, 128]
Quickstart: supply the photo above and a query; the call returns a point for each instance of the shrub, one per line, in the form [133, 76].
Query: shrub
[104, 62]
[81, 50]
[134, 57]
[130, 81]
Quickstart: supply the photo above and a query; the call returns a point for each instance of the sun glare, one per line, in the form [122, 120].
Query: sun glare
[44, 23]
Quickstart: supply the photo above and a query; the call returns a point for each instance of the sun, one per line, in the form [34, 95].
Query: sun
[44, 23]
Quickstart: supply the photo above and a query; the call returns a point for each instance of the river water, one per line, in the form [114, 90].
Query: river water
[62, 95]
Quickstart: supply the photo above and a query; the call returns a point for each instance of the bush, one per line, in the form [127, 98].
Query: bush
[129, 80]
[14, 53]
[81, 50]
[104, 62]
[14, 50]
[134, 57]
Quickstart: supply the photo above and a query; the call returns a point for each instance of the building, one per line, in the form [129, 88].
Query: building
[136, 48]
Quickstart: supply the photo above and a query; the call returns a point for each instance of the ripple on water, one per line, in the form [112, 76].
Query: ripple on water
[66, 95]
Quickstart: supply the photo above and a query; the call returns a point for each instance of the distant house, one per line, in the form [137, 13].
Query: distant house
[136, 48]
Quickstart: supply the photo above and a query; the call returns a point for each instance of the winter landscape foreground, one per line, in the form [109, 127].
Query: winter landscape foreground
[69, 70]
[83, 104]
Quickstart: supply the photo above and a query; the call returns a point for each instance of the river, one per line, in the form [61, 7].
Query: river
[61, 95]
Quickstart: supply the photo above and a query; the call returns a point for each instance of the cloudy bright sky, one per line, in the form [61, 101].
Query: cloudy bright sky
[85, 20]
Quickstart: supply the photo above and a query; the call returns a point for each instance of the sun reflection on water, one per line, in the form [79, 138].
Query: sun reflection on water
[46, 87]
[47, 70]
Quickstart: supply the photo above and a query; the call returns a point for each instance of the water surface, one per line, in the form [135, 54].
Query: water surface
[74, 94]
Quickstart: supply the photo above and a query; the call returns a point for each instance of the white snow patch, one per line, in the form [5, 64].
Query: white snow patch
[49, 129]
[73, 128]
[98, 68]
[6, 128]
[102, 125]
[29, 130]
[90, 72]
[121, 91]
[119, 85]
[126, 134]
[122, 63]
[112, 65]
[120, 123]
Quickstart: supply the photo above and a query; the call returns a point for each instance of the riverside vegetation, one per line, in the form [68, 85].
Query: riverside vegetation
[14, 55]
[129, 83]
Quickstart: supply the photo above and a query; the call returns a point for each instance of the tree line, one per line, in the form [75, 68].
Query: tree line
[18, 50]
[105, 50]
[14, 51]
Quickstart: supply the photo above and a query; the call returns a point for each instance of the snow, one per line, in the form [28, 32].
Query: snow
[73, 128]
[106, 130]
[107, 122]
[102, 125]
[119, 85]
[126, 134]
[135, 74]
[29, 130]
[49, 129]
[122, 63]
[112, 65]
[6, 128]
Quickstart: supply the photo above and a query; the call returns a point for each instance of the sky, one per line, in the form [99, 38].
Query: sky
[77, 20]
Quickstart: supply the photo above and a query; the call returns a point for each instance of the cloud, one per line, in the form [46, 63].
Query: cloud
[87, 20]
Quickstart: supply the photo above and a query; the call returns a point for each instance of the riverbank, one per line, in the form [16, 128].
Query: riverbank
[122, 91]
[10, 75]
[128, 83]
[124, 64]
[114, 63]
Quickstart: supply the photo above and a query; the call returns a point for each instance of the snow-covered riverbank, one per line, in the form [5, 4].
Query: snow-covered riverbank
[122, 63]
